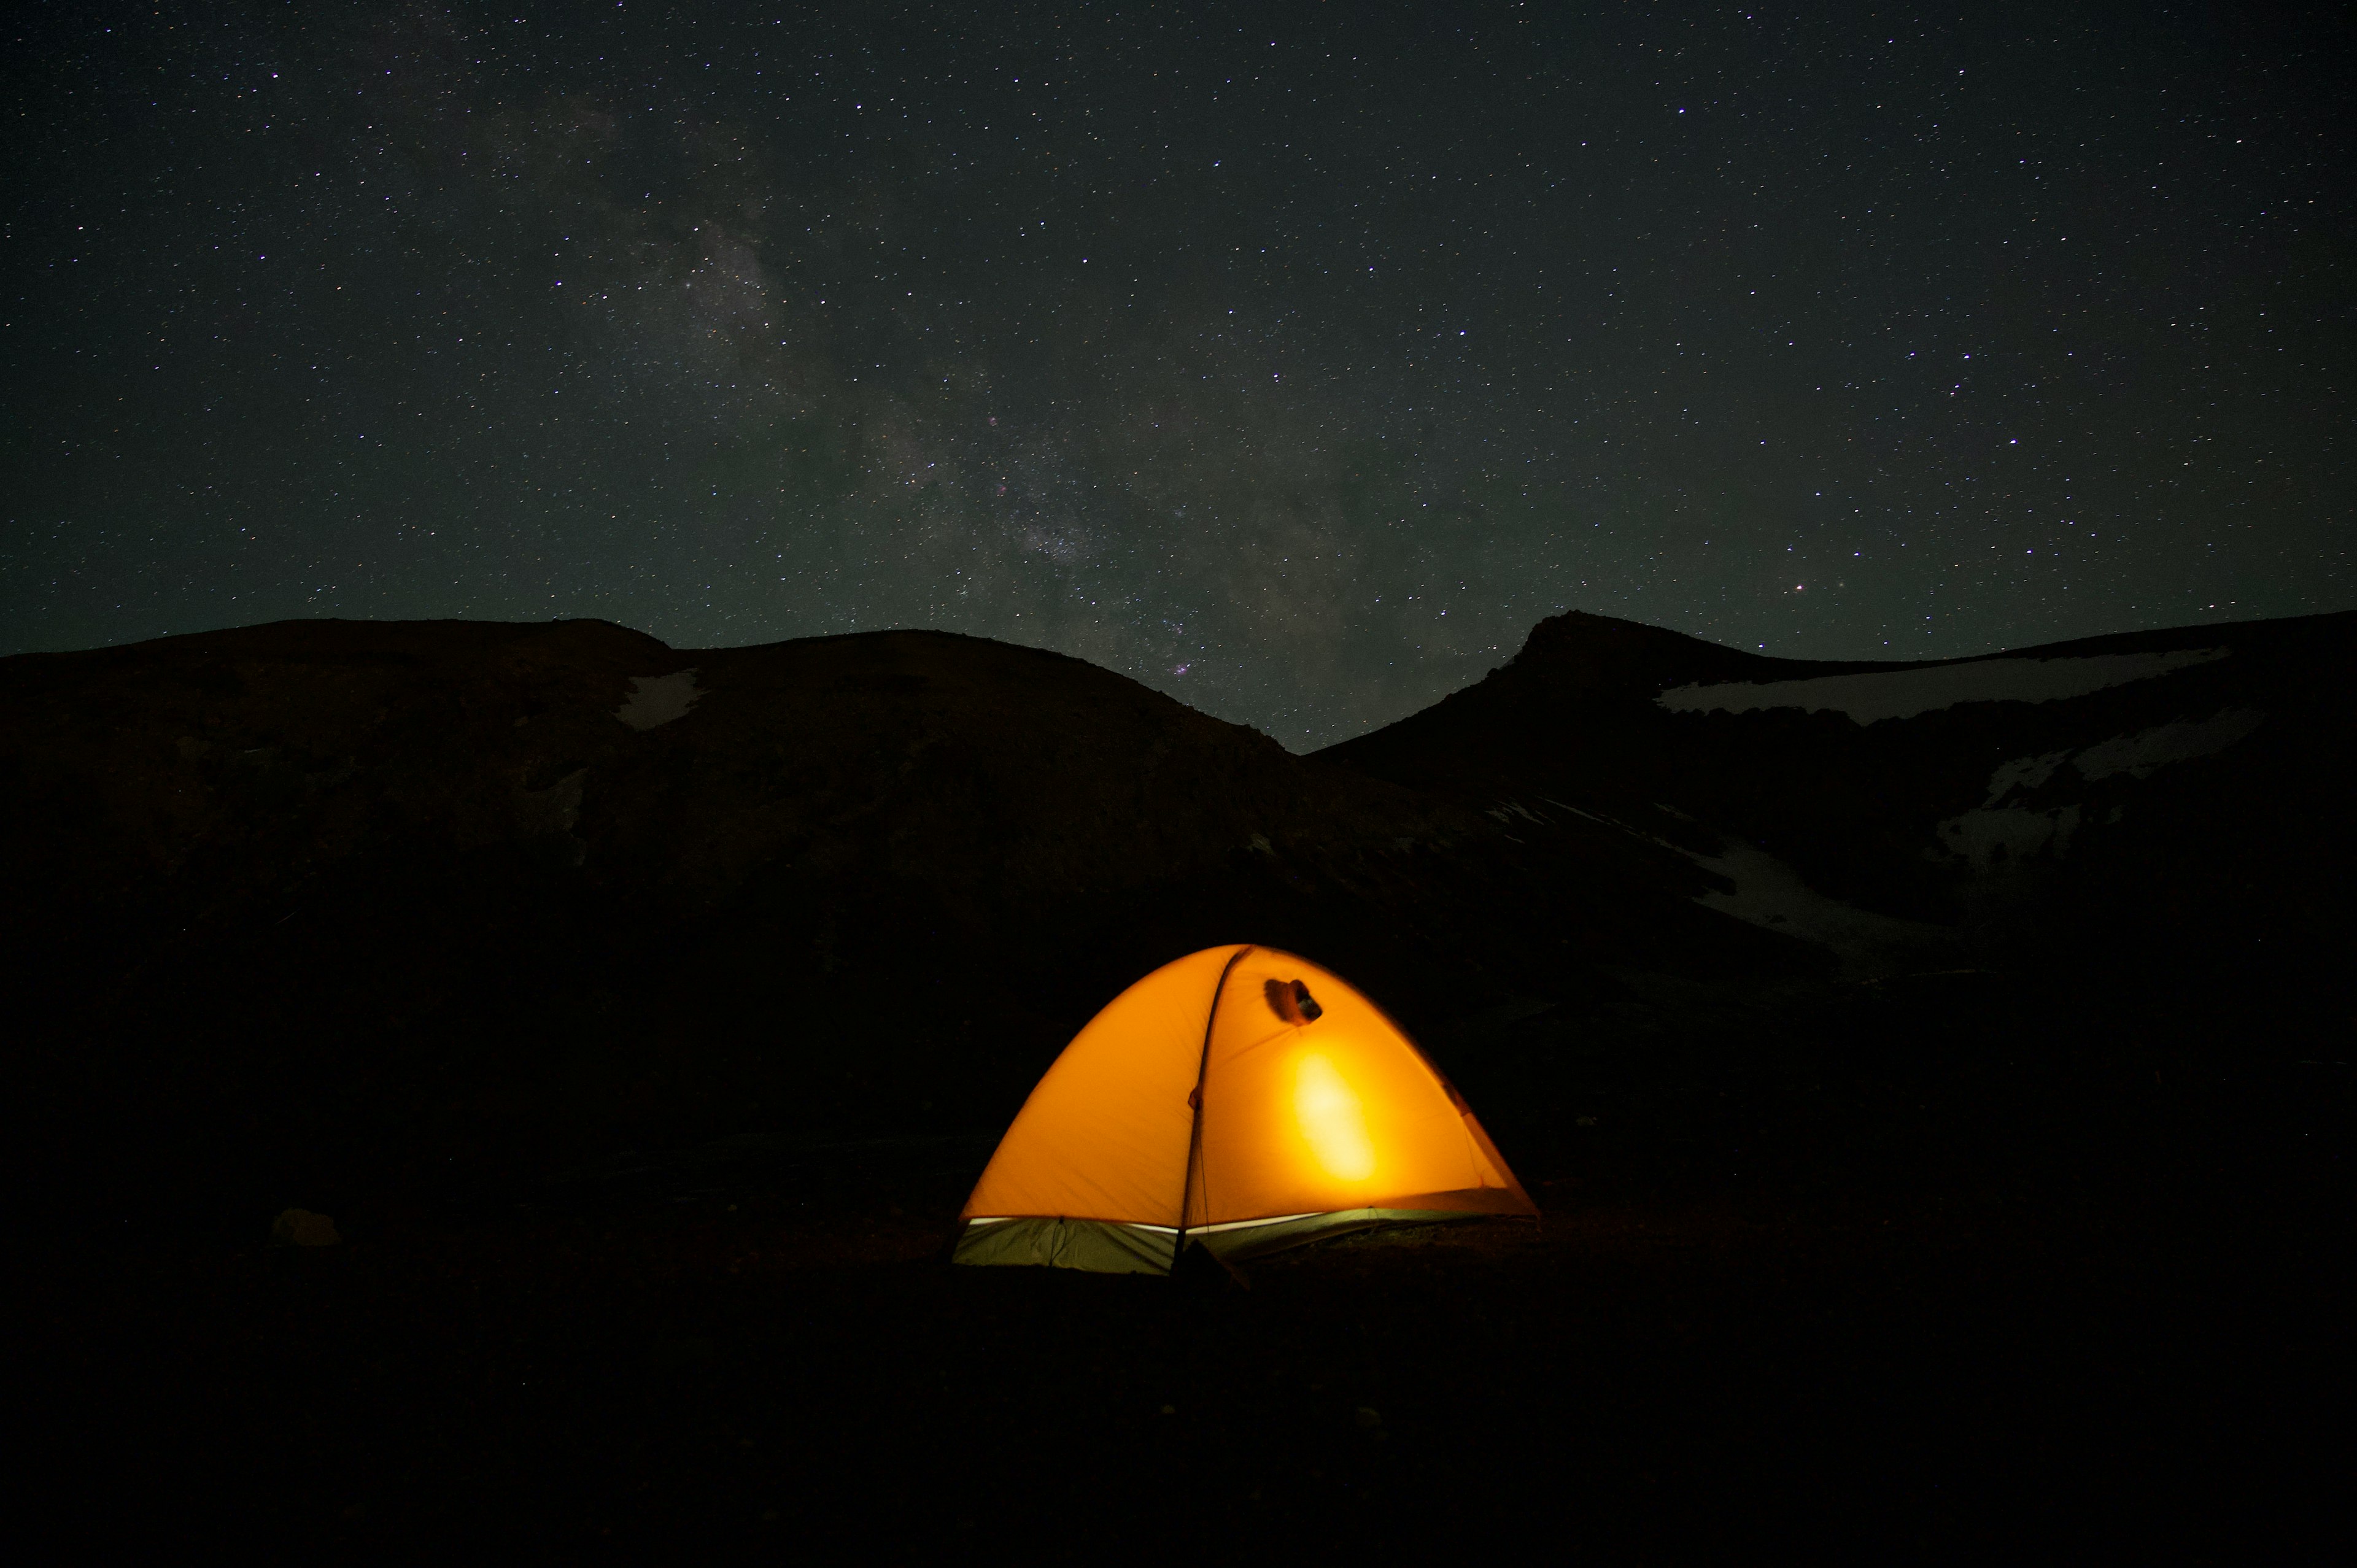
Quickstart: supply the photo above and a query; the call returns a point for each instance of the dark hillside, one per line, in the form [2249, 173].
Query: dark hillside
[1940, 1121]
[2191, 808]
[340, 903]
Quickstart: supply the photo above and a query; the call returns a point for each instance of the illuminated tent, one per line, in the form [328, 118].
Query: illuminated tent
[1241, 1098]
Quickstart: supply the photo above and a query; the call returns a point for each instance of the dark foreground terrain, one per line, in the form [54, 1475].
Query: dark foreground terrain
[642, 1068]
[1884, 1296]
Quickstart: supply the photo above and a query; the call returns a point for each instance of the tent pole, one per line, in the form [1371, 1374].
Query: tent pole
[1195, 1134]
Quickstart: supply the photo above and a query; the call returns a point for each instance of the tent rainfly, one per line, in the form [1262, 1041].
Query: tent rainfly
[1240, 1098]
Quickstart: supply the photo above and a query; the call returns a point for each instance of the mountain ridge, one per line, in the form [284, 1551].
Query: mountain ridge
[395, 899]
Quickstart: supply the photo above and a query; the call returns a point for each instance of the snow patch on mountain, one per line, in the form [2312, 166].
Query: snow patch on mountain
[2134, 754]
[2010, 833]
[1905, 693]
[659, 699]
[2137, 755]
[1766, 892]
[1771, 893]
[2027, 773]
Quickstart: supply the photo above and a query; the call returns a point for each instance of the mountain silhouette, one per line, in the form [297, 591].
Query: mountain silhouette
[416, 903]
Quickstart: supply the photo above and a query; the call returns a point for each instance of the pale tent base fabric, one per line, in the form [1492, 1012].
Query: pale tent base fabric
[1105, 1247]
[1242, 1099]
[1099, 1245]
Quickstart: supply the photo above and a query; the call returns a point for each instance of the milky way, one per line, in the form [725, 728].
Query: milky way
[1294, 363]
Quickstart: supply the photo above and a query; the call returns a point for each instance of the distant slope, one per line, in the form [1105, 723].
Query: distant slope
[402, 896]
[2146, 797]
[323, 905]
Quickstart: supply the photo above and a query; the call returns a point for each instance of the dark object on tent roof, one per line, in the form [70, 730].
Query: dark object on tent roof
[1290, 1000]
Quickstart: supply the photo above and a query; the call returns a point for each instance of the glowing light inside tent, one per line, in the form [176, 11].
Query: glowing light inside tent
[1332, 1120]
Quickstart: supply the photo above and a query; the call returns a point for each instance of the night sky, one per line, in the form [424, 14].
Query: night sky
[1293, 360]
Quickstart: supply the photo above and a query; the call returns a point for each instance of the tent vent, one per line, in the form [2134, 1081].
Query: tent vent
[1290, 1000]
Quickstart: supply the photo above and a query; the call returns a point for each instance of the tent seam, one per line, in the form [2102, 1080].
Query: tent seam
[1195, 1133]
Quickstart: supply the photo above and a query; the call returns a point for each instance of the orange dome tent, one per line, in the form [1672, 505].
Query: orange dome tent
[1239, 1098]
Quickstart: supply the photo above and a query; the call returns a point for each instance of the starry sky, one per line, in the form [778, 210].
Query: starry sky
[1294, 360]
